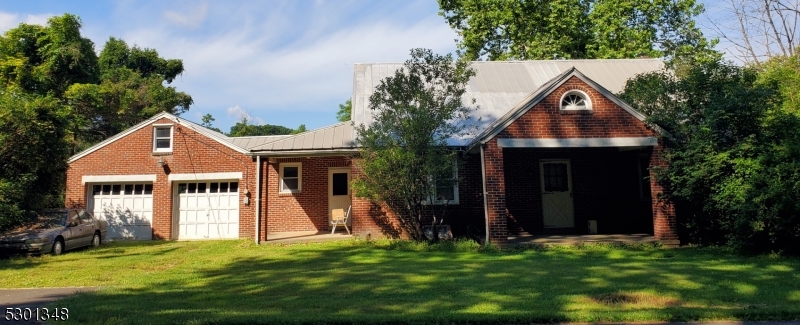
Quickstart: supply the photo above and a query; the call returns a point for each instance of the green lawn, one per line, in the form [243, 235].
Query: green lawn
[402, 282]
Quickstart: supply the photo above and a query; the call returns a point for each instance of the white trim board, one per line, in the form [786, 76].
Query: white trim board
[204, 176]
[578, 142]
[117, 178]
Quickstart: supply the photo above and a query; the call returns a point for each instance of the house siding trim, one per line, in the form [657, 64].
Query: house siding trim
[578, 142]
[203, 176]
[117, 178]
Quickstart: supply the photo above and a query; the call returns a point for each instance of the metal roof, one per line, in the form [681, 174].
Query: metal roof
[248, 143]
[337, 136]
[499, 86]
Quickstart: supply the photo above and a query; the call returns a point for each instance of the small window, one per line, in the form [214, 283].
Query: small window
[128, 189]
[148, 189]
[182, 188]
[214, 188]
[115, 189]
[137, 189]
[291, 178]
[555, 177]
[106, 189]
[162, 138]
[223, 187]
[192, 187]
[446, 190]
[575, 101]
[644, 178]
[201, 187]
[96, 189]
[234, 187]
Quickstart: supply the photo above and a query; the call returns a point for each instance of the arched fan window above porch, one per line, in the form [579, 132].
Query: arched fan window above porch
[575, 100]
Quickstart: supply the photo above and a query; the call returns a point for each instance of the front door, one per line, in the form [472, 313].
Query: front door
[339, 191]
[557, 205]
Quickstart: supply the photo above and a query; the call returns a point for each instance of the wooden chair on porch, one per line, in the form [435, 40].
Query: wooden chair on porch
[338, 216]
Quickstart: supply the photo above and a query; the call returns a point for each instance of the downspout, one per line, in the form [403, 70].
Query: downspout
[258, 199]
[485, 203]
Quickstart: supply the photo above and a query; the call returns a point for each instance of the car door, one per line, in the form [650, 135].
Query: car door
[88, 227]
[76, 230]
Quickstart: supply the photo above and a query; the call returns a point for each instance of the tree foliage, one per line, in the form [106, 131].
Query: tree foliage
[244, 128]
[33, 153]
[404, 151]
[576, 29]
[345, 109]
[733, 151]
[59, 97]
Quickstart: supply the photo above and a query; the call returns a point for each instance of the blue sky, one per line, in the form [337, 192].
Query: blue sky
[280, 62]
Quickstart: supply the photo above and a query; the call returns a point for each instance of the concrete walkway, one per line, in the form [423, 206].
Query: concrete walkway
[294, 237]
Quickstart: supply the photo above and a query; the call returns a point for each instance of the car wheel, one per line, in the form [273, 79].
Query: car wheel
[58, 247]
[96, 240]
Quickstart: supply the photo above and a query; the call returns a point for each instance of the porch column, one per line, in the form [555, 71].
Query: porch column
[665, 225]
[495, 193]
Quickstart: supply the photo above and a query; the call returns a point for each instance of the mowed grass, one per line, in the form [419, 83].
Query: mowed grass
[223, 282]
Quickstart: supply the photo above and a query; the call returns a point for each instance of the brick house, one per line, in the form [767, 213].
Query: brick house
[556, 152]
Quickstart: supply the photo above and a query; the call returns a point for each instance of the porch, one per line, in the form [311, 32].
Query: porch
[524, 239]
[296, 237]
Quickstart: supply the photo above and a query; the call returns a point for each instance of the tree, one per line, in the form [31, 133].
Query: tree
[732, 149]
[244, 128]
[207, 120]
[758, 29]
[404, 154]
[33, 151]
[576, 29]
[300, 129]
[343, 115]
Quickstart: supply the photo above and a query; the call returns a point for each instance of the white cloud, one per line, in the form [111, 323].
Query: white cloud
[9, 20]
[239, 113]
[192, 18]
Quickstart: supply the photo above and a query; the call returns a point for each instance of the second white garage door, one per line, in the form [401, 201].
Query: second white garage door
[208, 210]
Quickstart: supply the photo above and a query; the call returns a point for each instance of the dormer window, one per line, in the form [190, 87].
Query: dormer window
[162, 138]
[575, 100]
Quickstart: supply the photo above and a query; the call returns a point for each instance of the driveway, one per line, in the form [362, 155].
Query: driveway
[33, 298]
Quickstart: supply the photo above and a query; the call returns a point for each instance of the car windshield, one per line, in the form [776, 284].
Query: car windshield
[48, 219]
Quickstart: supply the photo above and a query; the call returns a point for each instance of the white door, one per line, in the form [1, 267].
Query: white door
[126, 207]
[208, 210]
[339, 191]
[557, 205]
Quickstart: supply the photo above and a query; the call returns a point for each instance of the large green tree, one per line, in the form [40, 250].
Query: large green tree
[404, 151]
[57, 97]
[576, 29]
[733, 151]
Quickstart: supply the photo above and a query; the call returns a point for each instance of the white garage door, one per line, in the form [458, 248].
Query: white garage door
[127, 207]
[208, 210]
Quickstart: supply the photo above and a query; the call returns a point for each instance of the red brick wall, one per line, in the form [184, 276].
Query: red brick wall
[306, 210]
[546, 120]
[192, 153]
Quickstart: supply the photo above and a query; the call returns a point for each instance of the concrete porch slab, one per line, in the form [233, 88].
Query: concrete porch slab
[529, 239]
[293, 237]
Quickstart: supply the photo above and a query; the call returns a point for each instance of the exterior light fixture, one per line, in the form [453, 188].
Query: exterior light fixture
[161, 162]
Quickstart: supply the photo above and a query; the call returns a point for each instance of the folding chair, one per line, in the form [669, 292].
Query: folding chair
[338, 216]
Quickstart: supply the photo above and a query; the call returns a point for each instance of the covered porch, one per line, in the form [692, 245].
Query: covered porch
[526, 239]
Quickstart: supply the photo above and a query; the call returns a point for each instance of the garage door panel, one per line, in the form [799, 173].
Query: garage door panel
[129, 214]
[208, 210]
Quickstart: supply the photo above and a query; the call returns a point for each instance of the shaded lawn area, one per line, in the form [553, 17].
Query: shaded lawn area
[404, 282]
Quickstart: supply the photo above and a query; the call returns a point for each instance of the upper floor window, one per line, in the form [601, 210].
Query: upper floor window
[162, 138]
[575, 100]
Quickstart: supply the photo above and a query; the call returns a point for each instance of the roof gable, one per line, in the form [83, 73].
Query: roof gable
[216, 136]
[545, 90]
[499, 86]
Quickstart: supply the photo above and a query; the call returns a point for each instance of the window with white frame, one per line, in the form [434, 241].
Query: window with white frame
[162, 138]
[291, 177]
[575, 100]
[445, 191]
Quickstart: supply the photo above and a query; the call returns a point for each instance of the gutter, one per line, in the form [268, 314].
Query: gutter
[258, 199]
[485, 203]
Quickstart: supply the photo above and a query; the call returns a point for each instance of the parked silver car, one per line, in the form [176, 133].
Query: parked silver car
[55, 231]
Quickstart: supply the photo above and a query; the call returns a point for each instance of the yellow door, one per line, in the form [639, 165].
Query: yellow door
[557, 202]
[338, 191]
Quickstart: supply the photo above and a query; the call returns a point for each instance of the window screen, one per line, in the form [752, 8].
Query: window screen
[555, 177]
[340, 184]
